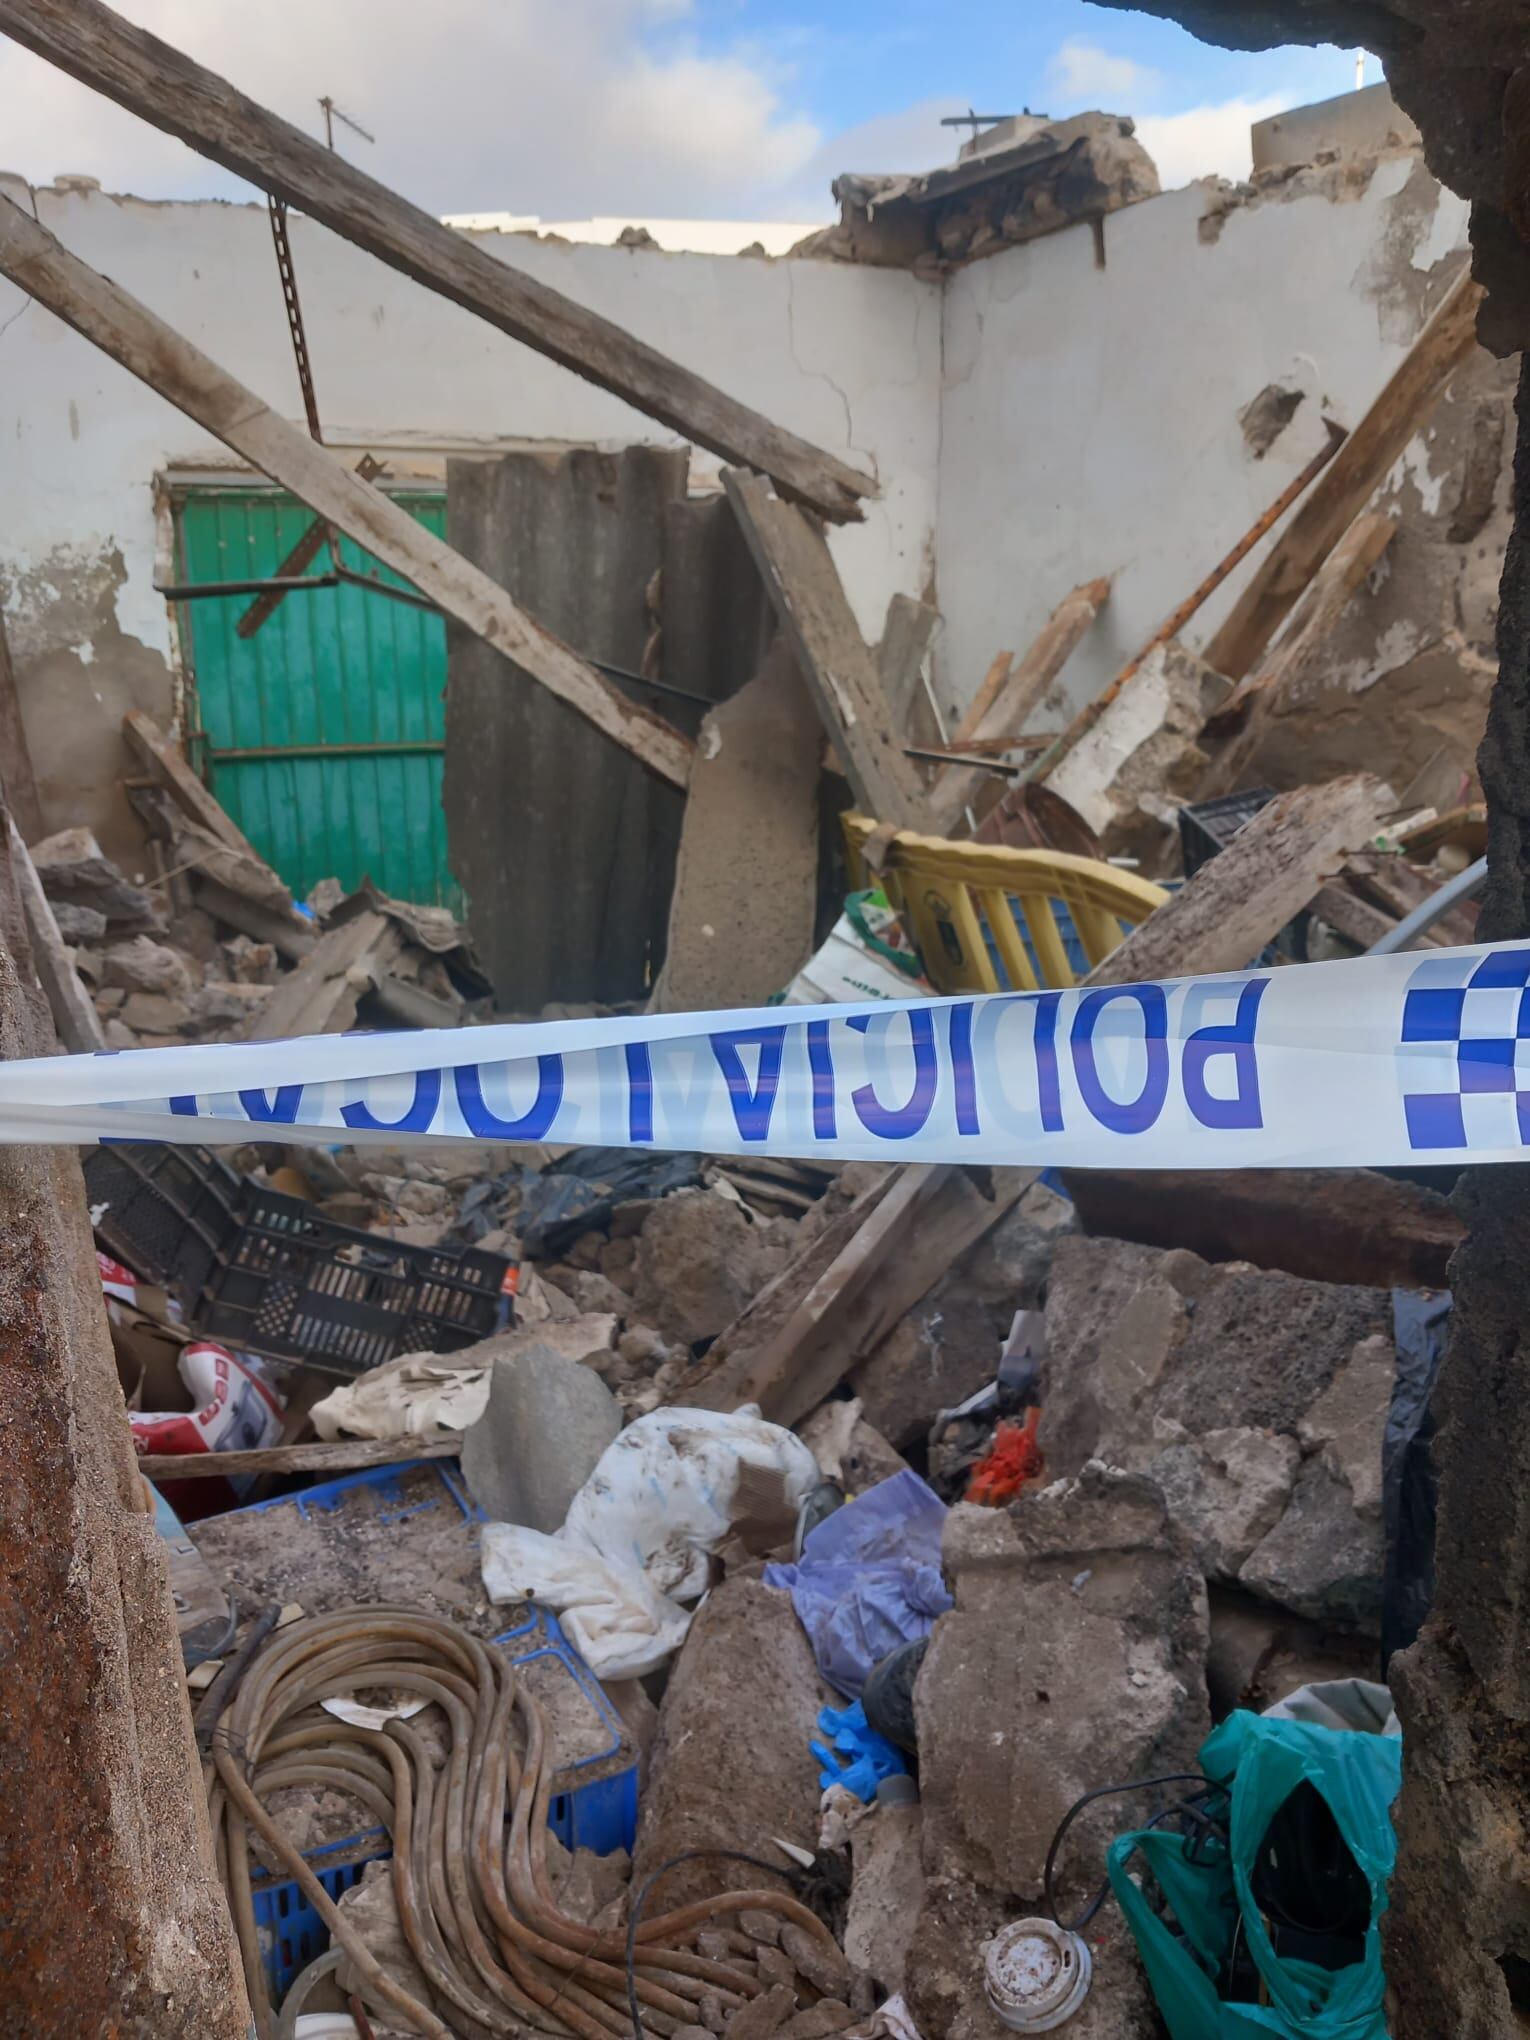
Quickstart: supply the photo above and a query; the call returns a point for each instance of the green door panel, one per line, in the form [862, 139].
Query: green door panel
[321, 734]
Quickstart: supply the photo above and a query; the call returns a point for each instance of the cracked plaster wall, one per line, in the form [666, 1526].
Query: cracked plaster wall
[848, 357]
[1091, 425]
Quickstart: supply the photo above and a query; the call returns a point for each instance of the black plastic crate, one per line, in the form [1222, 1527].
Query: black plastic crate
[1210, 825]
[170, 1214]
[297, 1286]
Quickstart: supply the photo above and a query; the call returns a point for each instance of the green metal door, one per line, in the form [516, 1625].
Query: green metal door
[322, 733]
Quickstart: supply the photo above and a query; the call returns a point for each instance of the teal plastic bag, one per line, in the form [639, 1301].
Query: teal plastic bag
[1208, 1891]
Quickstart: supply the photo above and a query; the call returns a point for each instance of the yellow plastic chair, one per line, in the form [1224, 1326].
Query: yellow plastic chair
[959, 902]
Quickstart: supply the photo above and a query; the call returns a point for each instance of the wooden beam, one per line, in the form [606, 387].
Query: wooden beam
[133, 335]
[18, 782]
[1270, 870]
[165, 87]
[810, 601]
[341, 1455]
[167, 762]
[1238, 724]
[1316, 611]
[73, 1009]
[906, 635]
[999, 669]
[1362, 463]
[1016, 699]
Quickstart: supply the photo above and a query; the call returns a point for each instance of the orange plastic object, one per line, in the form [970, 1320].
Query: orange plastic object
[1013, 1459]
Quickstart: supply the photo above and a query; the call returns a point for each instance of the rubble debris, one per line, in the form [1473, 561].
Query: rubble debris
[701, 1259]
[543, 1429]
[730, 1765]
[887, 1886]
[1256, 1400]
[1129, 775]
[1026, 177]
[75, 873]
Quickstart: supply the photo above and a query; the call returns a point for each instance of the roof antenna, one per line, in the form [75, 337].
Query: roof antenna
[332, 114]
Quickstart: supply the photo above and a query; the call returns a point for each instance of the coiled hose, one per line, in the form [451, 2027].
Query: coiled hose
[469, 1828]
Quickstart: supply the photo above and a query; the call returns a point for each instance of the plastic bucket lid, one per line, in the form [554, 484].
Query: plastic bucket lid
[1036, 1974]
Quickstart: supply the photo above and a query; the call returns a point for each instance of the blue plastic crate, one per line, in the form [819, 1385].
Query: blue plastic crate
[598, 1813]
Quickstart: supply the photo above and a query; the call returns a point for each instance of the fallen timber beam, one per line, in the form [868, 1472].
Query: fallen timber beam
[142, 342]
[166, 88]
[832, 1306]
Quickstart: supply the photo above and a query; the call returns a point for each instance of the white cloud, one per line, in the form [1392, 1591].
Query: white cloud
[476, 105]
[1206, 141]
[1083, 71]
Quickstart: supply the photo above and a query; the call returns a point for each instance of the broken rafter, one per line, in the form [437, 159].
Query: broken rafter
[133, 335]
[165, 87]
[804, 586]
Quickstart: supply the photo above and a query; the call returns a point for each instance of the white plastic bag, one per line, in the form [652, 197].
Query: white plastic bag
[639, 1533]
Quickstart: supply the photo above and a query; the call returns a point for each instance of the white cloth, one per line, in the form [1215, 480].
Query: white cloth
[638, 1535]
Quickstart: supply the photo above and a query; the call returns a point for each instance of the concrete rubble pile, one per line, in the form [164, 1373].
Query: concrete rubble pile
[623, 1589]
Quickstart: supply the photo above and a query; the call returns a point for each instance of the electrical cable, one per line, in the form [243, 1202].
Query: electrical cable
[465, 1805]
[1191, 1806]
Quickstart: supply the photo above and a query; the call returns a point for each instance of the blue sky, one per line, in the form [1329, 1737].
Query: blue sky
[741, 109]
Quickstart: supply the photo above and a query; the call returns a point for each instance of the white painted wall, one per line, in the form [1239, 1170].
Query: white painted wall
[850, 358]
[1089, 418]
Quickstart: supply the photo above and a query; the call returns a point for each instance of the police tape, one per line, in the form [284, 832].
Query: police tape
[1383, 1060]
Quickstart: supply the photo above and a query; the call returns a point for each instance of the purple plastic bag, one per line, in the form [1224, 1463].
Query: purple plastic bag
[869, 1578]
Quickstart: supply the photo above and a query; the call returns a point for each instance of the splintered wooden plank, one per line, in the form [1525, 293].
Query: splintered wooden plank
[74, 1013]
[1352, 478]
[163, 86]
[133, 335]
[804, 585]
[1015, 699]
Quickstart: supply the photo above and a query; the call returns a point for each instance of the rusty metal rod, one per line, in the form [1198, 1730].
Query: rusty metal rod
[1174, 623]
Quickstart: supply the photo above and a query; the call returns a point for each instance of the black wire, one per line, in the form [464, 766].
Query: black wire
[1190, 1805]
[640, 1899]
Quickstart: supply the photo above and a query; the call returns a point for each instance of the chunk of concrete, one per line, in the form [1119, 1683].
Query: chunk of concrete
[700, 1259]
[1348, 1419]
[144, 965]
[1075, 1656]
[886, 1892]
[547, 1421]
[730, 1767]
[1227, 1490]
[1322, 1559]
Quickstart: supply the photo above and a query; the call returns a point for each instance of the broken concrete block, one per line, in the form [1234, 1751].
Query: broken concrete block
[818, 1960]
[1226, 1490]
[1214, 1379]
[847, 1448]
[78, 924]
[1348, 1419]
[1132, 772]
[155, 1013]
[819, 2021]
[546, 1423]
[75, 872]
[144, 965]
[224, 1002]
[886, 1892]
[1074, 1656]
[1322, 1559]
[700, 1259]
[730, 1765]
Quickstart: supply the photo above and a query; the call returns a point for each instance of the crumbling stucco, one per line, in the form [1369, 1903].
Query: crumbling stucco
[78, 673]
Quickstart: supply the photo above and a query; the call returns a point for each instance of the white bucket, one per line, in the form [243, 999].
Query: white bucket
[1036, 1974]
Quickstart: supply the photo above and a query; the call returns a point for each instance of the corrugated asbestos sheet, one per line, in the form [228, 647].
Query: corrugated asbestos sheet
[563, 844]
